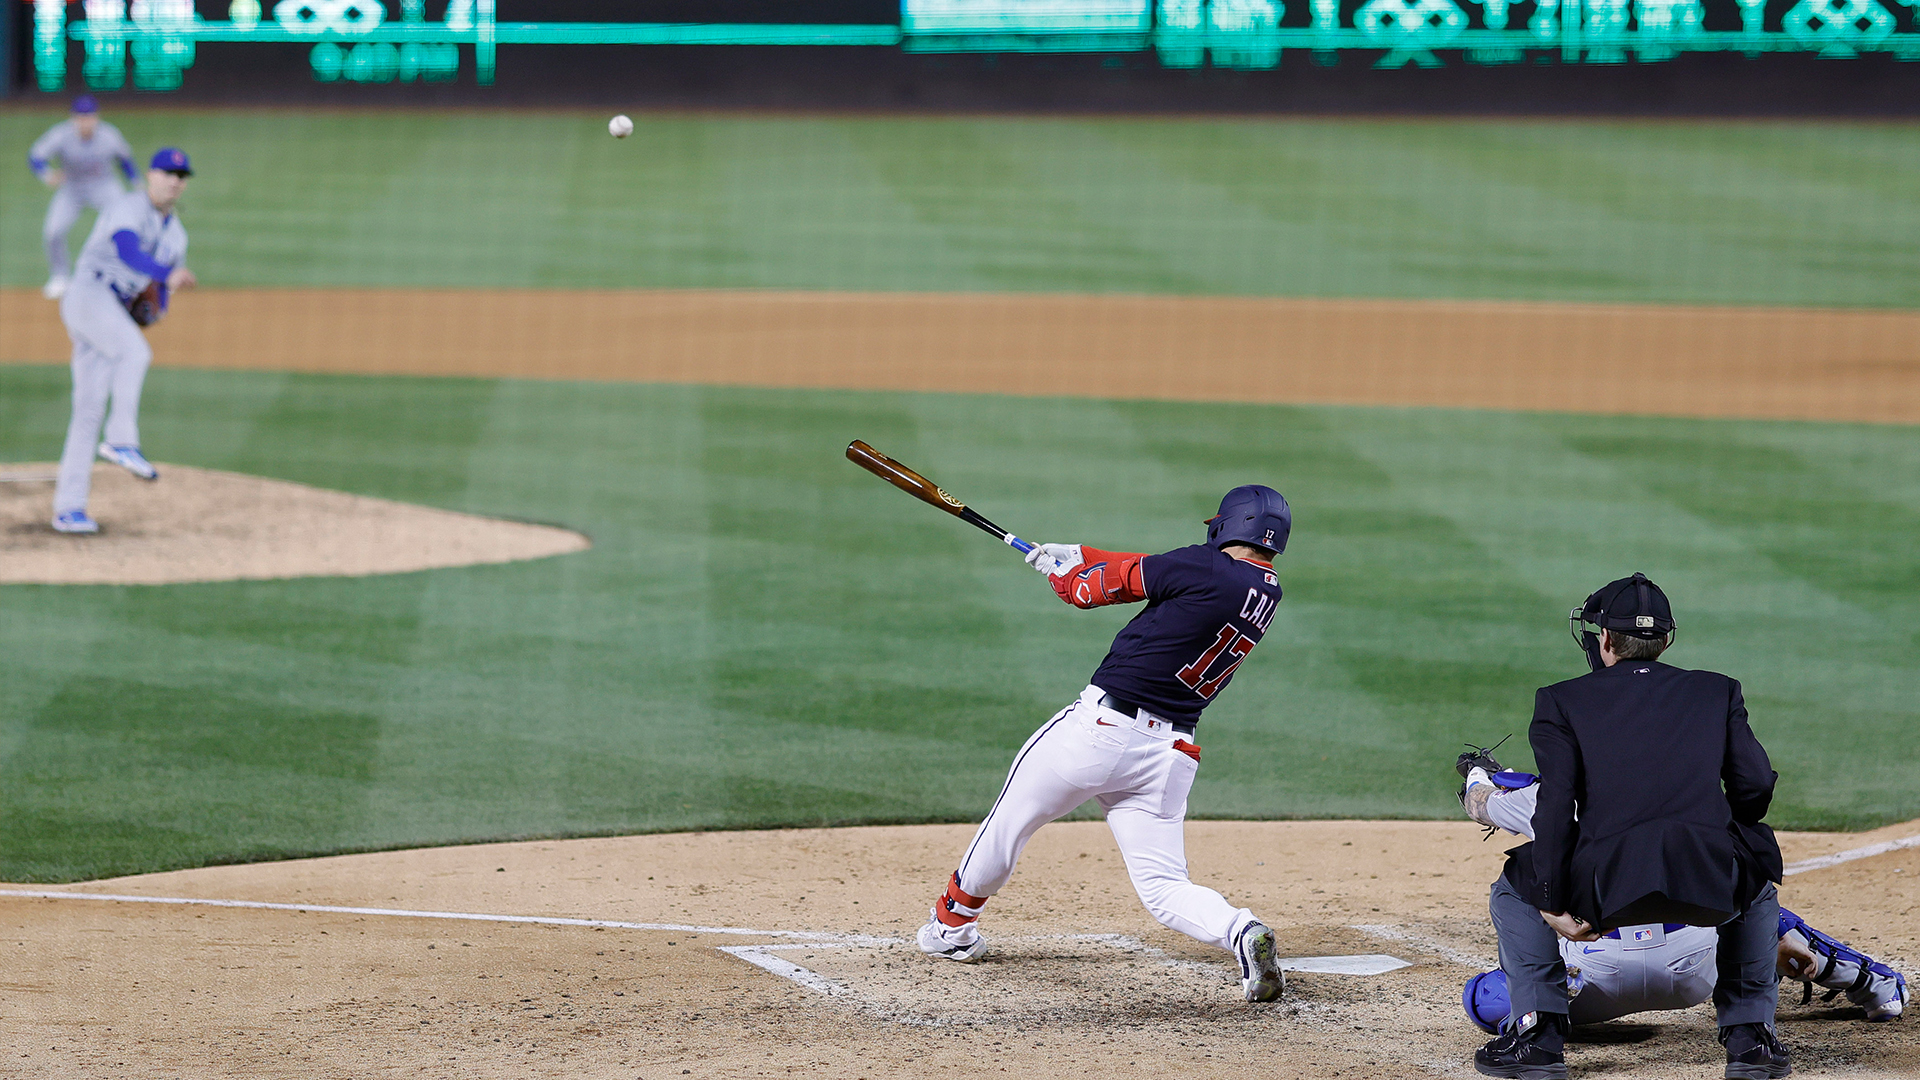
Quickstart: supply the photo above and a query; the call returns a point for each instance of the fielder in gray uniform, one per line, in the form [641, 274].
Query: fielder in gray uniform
[1655, 967]
[86, 149]
[137, 243]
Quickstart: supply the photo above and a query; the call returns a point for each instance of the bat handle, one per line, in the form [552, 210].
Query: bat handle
[1017, 544]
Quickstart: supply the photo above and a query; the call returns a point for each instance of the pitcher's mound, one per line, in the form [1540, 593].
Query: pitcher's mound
[204, 525]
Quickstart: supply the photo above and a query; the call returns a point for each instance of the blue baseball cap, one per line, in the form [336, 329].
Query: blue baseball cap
[171, 159]
[84, 104]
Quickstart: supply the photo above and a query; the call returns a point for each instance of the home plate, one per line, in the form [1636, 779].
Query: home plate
[1364, 964]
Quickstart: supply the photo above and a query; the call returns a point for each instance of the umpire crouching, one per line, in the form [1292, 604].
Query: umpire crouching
[1635, 830]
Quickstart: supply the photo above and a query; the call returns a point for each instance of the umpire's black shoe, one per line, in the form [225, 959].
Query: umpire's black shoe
[1753, 1053]
[1534, 1051]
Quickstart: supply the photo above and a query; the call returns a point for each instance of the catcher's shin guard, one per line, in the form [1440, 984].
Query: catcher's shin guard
[1843, 969]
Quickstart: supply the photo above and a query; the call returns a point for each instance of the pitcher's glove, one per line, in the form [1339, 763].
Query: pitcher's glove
[145, 307]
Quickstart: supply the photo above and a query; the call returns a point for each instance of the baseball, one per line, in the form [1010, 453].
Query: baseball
[620, 127]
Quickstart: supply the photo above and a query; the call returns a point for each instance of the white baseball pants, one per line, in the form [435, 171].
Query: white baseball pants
[110, 359]
[64, 209]
[1140, 779]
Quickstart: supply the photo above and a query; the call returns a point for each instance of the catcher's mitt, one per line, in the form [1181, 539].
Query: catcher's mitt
[145, 307]
[1478, 757]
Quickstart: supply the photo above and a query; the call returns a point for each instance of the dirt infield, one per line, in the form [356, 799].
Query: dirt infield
[204, 525]
[1082, 983]
[1685, 361]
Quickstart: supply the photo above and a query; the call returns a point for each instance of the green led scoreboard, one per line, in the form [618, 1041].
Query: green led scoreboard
[151, 44]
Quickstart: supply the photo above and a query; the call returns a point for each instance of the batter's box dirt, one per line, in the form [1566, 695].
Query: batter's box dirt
[1097, 981]
[1082, 984]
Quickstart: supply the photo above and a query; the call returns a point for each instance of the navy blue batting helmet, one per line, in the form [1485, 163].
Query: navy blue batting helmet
[1252, 514]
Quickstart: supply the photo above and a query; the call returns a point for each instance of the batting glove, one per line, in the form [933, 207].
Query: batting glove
[1055, 559]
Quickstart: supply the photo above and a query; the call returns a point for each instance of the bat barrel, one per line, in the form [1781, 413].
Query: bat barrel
[902, 477]
[926, 491]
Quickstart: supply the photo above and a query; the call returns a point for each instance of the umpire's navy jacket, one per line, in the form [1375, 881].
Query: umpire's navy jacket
[1633, 824]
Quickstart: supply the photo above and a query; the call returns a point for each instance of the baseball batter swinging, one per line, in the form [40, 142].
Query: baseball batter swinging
[1127, 740]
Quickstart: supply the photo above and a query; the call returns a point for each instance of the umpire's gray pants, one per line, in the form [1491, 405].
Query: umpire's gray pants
[1746, 991]
[110, 358]
[1529, 954]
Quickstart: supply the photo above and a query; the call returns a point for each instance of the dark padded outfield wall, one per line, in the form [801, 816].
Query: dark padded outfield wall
[1697, 57]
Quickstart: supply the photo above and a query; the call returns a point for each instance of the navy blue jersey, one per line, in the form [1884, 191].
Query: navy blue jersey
[1205, 611]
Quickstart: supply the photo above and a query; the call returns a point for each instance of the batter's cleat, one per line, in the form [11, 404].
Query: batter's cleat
[131, 459]
[961, 944]
[75, 521]
[1753, 1053]
[1259, 968]
[1535, 1049]
[55, 288]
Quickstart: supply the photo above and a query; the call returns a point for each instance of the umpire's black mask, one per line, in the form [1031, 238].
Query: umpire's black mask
[1632, 606]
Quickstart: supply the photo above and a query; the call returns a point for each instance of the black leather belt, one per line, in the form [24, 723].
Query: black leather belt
[1135, 709]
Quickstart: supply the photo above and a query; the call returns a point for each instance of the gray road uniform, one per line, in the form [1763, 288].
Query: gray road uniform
[1635, 968]
[110, 354]
[89, 166]
[1659, 967]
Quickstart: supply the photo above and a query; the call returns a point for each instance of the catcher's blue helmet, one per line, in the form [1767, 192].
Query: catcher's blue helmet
[1486, 1002]
[1252, 514]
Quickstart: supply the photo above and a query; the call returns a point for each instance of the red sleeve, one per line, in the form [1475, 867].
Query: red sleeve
[1106, 577]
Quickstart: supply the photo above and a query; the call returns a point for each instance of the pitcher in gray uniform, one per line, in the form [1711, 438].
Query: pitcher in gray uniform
[137, 241]
[86, 149]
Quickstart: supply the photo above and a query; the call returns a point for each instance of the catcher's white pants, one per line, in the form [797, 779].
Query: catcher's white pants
[1132, 767]
[64, 209]
[110, 359]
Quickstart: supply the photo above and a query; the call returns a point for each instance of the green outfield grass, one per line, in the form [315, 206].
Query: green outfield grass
[765, 635]
[1816, 212]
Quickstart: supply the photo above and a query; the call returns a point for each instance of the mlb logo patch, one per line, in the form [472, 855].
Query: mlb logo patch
[1271, 580]
[1642, 934]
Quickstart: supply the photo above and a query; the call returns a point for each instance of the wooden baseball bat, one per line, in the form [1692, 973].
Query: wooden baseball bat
[927, 491]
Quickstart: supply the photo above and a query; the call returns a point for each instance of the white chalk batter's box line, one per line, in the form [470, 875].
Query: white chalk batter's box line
[762, 956]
